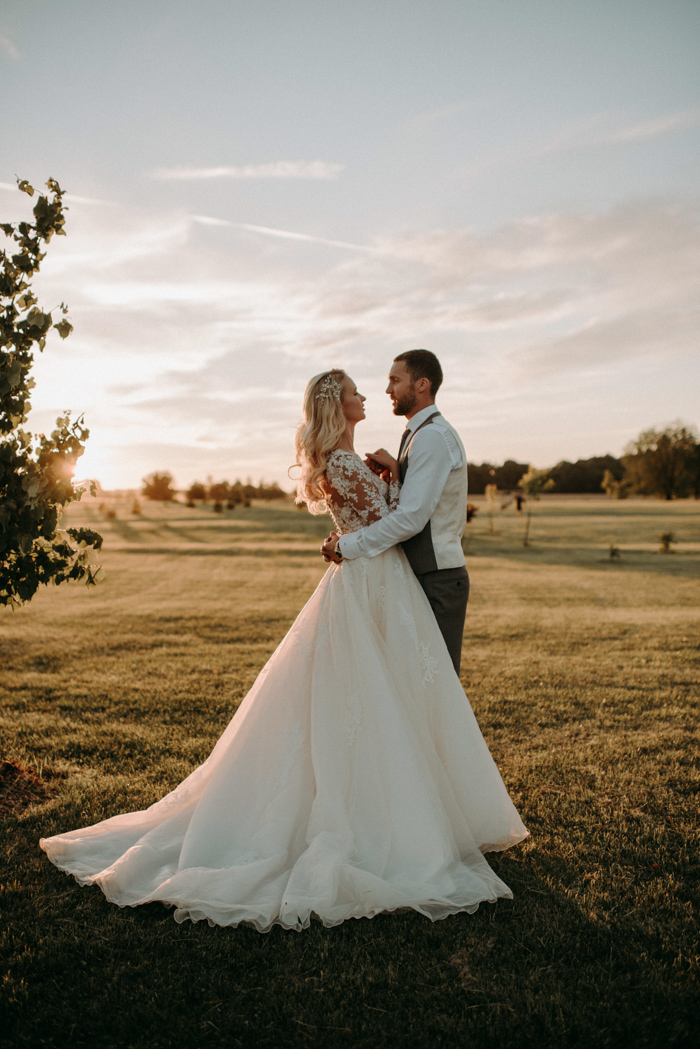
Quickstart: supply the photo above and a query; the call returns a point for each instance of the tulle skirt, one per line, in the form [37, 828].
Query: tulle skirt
[353, 779]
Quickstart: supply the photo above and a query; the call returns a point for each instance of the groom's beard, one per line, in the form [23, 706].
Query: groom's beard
[405, 404]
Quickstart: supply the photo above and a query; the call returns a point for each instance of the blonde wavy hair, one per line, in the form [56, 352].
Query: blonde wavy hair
[316, 437]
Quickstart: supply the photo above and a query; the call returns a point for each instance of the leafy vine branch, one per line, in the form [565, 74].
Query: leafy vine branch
[36, 474]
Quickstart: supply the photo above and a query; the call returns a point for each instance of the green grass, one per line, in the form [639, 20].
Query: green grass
[583, 673]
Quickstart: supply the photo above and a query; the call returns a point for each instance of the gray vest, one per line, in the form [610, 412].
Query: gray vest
[419, 548]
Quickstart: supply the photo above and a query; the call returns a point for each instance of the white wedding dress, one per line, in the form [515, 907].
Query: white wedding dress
[353, 779]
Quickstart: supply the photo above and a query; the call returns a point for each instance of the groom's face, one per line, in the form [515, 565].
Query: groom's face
[401, 389]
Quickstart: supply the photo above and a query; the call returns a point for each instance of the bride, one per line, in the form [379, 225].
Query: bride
[354, 778]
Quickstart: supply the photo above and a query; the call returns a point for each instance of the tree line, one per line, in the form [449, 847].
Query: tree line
[664, 462]
[159, 487]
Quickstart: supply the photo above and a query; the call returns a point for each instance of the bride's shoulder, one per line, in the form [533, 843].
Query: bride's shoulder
[341, 456]
[343, 466]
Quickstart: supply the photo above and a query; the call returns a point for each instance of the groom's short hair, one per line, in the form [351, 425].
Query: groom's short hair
[422, 364]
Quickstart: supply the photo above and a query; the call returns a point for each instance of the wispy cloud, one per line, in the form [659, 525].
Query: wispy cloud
[589, 133]
[279, 169]
[9, 48]
[285, 234]
[632, 133]
[423, 121]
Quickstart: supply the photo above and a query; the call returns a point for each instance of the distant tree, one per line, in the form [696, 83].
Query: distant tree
[618, 488]
[585, 475]
[243, 493]
[219, 492]
[533, 484]
[491, 493]
[196, 493]
[480, 476]
[158, 487]
[235, 495]
[222, 493]
[270, 491]
[36, 474]
[507, 477]
[659, 461]
[692, 471]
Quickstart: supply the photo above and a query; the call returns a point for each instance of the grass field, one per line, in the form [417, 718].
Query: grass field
[583, 673]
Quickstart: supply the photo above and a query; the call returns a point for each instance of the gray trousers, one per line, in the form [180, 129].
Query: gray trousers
[447, 591]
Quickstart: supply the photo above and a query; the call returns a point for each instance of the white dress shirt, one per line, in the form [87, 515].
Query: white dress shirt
[434, 453]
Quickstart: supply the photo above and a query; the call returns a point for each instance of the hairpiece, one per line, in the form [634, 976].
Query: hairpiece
[331, 389]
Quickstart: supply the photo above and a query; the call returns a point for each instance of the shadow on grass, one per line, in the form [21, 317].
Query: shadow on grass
[676, 564]
[533, 971]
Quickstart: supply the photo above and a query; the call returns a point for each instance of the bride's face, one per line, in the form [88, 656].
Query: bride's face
[353, 403]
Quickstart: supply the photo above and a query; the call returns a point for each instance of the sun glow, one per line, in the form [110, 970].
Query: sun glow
[96, 464]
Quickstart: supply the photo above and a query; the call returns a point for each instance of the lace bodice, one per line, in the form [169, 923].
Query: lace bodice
[357, 496]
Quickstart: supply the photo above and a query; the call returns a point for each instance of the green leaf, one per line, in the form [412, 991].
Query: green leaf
[31, 486]
[64, 328]
[36, 318]
[41, 208]
[14, 374]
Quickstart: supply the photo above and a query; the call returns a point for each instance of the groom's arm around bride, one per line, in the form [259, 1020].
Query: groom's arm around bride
[429, 521]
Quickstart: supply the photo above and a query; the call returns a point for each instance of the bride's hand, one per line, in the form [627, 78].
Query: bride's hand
[328, 548]
[382, 461]
[324, 546]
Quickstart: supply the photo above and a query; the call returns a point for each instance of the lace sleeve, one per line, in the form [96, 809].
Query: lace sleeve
[355, 492]
[393, 495]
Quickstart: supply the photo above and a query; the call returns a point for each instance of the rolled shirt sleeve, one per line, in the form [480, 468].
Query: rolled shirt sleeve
[432, 458]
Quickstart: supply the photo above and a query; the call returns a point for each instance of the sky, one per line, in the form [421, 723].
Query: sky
[259, 190]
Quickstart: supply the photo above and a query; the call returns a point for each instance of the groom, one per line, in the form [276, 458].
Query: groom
[432, 510]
